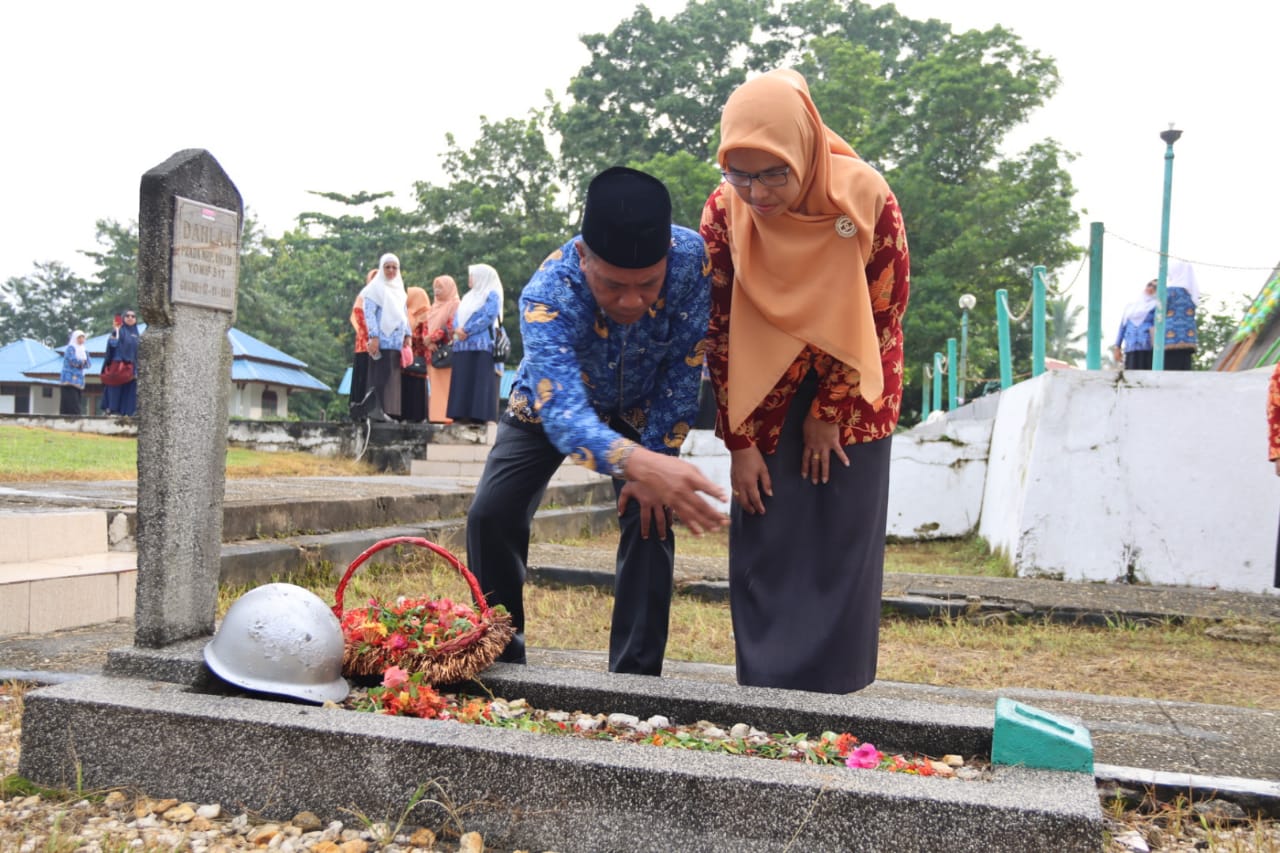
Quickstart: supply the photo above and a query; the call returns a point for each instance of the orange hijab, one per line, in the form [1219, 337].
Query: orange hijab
[357, 307]
[418, 305]
[798, 279]
[446, 303]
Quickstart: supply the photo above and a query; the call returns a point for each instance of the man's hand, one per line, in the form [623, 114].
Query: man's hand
[674, 483]
[650, 508]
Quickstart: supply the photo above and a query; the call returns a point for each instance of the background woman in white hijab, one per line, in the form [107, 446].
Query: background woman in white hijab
[473, 390]
[1181, 296]
[74, 362]
[387, 319]
[1133, 341]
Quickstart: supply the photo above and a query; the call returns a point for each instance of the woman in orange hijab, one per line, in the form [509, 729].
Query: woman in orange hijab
[440, 334]
[413, 384]
[810, 277]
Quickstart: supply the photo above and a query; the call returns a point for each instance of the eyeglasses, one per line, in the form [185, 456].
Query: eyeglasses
[769, 178]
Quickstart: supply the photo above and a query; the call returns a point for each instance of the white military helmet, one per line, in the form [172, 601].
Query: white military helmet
[282, 639]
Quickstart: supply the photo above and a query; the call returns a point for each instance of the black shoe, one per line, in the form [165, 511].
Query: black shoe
[514, 652]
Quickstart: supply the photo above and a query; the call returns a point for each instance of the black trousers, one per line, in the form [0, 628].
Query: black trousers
[515, 477]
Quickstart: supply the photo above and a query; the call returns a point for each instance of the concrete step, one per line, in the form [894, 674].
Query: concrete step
[38, 596]
[57, 572]
[44, 534]
[466, 462]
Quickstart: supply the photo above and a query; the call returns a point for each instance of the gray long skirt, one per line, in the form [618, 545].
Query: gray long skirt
[805, 578]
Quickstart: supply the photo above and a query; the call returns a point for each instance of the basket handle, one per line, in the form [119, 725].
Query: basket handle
[476, 594]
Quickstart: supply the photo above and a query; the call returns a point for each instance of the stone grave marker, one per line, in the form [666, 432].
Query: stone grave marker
[188, 262]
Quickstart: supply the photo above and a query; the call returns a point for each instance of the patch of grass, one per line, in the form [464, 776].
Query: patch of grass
[1123, 659]
[29, 454]
[967, 556]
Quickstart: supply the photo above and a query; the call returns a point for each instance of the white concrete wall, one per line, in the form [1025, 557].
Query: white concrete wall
[245, 400]
[1158, 476]
[936, 478]
[42, 405]
[1161, 478]
[935, 482]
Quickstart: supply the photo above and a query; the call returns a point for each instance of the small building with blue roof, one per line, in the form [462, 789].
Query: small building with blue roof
[262, 377]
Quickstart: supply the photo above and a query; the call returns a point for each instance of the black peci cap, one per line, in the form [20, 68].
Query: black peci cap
[627, 218]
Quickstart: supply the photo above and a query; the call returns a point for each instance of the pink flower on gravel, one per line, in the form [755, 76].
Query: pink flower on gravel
[865, 756]
[394, 677]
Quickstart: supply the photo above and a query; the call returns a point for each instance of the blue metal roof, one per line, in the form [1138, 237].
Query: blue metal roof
[251, 361]
[244, 370]
[247, 346]
[22, 355]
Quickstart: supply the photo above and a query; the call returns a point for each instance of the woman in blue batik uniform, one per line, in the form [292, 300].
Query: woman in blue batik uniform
[473, 388]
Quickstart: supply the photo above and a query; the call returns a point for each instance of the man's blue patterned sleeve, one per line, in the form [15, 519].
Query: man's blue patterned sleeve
[675, 402]
[551, 320]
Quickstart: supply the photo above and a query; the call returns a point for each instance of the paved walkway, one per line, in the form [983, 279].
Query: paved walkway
[1176, 742]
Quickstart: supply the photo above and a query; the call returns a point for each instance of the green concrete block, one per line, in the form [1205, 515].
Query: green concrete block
[1035, 738]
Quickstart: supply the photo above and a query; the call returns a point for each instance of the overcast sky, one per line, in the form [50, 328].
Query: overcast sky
[340, 96]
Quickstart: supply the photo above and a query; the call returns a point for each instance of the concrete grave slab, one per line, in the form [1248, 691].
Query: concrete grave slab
[541, 792]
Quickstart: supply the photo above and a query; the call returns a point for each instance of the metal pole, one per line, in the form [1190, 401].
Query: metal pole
[967, 301]
[1094, 354]
[937, 381]
[924, 388]
[1002, 331]
[1037, 320]
[952, 392]
[1169, 136]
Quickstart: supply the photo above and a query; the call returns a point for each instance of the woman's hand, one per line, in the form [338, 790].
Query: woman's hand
[459, 334]
[749, 479]
[821, 439]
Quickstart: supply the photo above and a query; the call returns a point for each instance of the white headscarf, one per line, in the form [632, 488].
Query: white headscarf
[389, 295]
[1135, 312]
[1182, 275]
[484, 280]
[78, 347]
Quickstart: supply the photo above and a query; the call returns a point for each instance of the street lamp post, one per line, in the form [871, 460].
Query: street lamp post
[1169, 136]
[967, 301]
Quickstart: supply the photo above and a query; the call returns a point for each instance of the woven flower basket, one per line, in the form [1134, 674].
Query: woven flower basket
[446, 651]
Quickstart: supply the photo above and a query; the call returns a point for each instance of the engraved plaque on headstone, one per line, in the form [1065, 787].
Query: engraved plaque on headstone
[206, 254]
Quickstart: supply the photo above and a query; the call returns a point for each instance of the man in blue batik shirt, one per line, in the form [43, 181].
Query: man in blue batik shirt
[613, 323]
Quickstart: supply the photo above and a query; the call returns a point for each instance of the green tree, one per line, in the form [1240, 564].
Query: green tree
[689, 180]
[1062, 320]
[655, 86]
[44, 305]
[1216, 328]
[499, 206]
[115, 284]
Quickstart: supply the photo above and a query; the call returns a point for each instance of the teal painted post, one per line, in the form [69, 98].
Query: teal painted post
[1037, 320]
[1093, 356]
[924, 388]
[964, 354]
[1002, 330]
[937, 382]
[952, 392]
[1169, 136]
